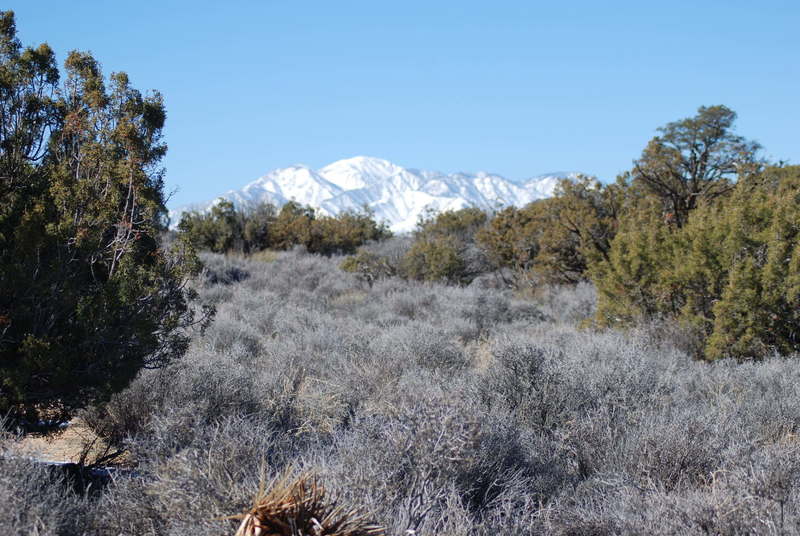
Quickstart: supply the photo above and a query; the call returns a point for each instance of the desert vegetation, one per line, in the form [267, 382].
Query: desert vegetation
[435, 409]
[228, 229]
[701, 232]
[618, 359]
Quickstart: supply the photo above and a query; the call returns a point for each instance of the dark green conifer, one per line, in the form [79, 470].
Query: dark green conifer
[87, 294]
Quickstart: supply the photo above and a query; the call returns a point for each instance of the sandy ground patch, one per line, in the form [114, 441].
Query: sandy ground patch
[68, 445]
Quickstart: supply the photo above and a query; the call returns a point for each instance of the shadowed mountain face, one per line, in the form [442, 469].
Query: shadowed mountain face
[397, 195]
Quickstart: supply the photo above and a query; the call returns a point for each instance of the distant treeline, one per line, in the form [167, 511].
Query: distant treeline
[226, 228]
[700, 232]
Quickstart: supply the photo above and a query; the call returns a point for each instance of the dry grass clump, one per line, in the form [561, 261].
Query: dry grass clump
[301, 507]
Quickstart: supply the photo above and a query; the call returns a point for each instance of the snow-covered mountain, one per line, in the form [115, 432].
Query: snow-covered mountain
[397, 195]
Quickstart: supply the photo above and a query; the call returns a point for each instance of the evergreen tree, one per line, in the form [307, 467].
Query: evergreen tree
[292, 226]
[258, 221]
[435, 259]
[758, 311]
[695, 160]
[553, 240]
[444, 247]
[87, 294]
[731, 274]
[511, 240]
[633, 283]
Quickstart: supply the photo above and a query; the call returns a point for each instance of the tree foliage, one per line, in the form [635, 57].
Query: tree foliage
[633, 282]
[553, 240]
[707, 237]
[221, 230]
[511, 240]
[731, 273]
[226, 228]
[695, 160]
[444, 247]
[87, 294]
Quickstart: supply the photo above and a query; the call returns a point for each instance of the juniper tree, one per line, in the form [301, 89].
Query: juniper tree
[444, 247]
[220, 230]
[553, 240]
[511, 239]
[758, 310]
[87, 295]
[731, 274]
[694, 160]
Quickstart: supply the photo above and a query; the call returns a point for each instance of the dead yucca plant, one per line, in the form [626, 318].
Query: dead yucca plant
[299, 507]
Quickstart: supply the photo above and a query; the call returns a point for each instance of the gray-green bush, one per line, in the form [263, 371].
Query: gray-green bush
[438, 409]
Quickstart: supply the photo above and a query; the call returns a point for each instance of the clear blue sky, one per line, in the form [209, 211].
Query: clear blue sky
[513, 87]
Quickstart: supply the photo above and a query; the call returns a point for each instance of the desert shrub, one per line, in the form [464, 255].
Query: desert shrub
[486, 310]
[667, 451]
[198, 389]
[128, 413]
[235, 335]
[196, 477]
[434, 349]
[444, 248]
[378, 260]
[37, 499]
[553, 240]
[567, 304]
[422, 463]
[392, 250]
[732, 502]
[529, 383]
[402, 406]
[222, 270]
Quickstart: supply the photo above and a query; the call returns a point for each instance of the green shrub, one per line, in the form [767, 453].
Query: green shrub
[731, 273]
[553, 240]
[220, 230]
[227, 229]
[758, 311]
[345, 232]
[632, 284]
[435, 259]
[444, 248]
[511, 239]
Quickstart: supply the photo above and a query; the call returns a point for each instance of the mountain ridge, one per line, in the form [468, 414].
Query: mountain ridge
[397, 195]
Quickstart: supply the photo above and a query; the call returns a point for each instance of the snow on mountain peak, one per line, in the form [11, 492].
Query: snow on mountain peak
[397, 195]
[359, 172]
